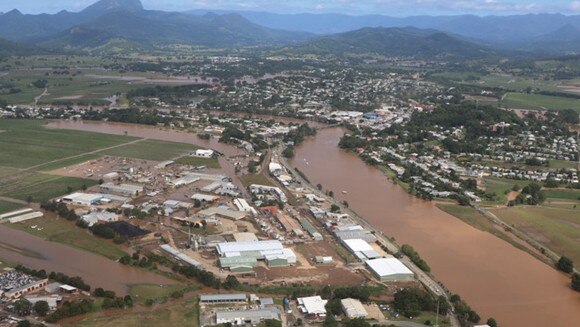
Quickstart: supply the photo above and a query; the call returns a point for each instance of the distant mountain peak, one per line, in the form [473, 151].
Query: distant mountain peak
[104, 6]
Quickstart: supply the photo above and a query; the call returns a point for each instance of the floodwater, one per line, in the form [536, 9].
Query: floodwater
[95, 270]
[495, 278]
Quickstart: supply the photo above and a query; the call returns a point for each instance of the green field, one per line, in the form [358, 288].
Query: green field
[27, 143]
[562, 194]
[41, 187]
[500, 186]
[248, 180]
[556, 228]
[9, 206]
[540, 102]
[183, 313]
[65, 232]
[67, 162]
[151, 150]
[195, 161]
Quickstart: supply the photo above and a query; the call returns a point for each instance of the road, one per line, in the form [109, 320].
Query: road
[428, 281]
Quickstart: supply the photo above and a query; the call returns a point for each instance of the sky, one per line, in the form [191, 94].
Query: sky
[355, 7]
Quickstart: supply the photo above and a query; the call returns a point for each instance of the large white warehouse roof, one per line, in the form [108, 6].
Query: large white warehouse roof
[385, 267]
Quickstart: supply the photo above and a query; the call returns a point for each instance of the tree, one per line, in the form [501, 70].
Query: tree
[29, 199]
[24, 323]
[565, 264]
[288, 152]
[41, 308]
[329, 321]
[22, 307]
[491, 322]
[576, 282]
[333, 307]
[334, 208]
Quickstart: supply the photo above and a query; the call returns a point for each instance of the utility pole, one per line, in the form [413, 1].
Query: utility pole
[437, 316]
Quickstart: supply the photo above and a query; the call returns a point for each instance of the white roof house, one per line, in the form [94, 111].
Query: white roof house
[388, 269]
[360, 248]
[353, 308]
[203, 153]
[313, 305]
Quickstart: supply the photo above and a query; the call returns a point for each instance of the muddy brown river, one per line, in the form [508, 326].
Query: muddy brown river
[96, 271]
[495, 278]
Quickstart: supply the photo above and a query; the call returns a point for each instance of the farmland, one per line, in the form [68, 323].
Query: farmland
[27, 143]
[42, 187]
[540, 102]
[8, 206]
[151, 150]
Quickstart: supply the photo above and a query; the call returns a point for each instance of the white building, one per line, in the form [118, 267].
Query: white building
[94, 217]
[353, 308]
[312, 305]
[389, 269]
[203, 153]
[360, 248]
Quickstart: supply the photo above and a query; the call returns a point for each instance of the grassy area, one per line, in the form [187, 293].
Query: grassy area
[558, 164]
[26, 143]
[556, 228]
[538, 101]
[196, 161]
[42, 187]
[151, 150]
[562, 194]
[502, 186]
[65, 232]
[184, 313]
[143, 292]
[479, 221]
[248, 180]
[68, 162]
[9, 206]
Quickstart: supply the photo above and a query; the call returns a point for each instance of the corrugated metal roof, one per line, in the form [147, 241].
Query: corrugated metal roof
[223, 297]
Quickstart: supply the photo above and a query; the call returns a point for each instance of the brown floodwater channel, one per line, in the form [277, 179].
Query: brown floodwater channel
[494, 277]
[34, 252]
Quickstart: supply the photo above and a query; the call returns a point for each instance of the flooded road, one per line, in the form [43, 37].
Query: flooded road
[495, 278]
[95, 270]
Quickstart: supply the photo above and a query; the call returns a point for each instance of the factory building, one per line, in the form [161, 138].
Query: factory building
[312, 306]
[353, 308]
[222, 212]
[244, 317]
[125, 189]
[361, 249]
[389, 269]
[223, 298]
[271, 251]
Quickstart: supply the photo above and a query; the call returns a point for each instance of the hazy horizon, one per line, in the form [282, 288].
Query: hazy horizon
[400, 8]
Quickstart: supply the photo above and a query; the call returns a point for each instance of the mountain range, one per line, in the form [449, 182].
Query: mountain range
[109, 20]
[395, 42]
[530, 32]
[127, 24]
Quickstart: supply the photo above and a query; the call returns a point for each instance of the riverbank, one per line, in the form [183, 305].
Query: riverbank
[468, 261]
